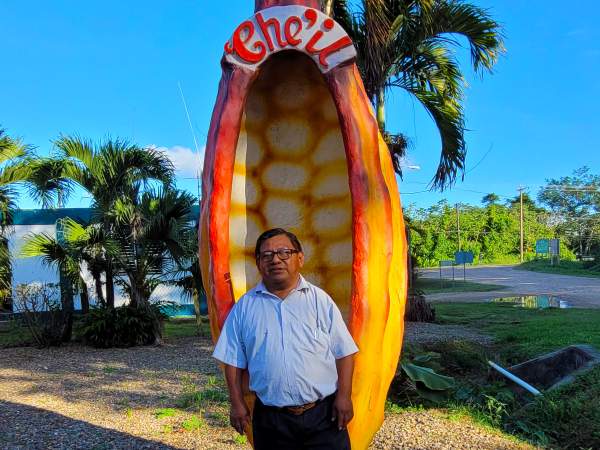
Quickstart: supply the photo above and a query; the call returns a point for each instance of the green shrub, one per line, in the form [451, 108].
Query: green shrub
[165, 412]
[43, 314]
[194, 423]
[125, 326]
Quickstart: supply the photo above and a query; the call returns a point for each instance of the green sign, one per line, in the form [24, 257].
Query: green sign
[542, 246]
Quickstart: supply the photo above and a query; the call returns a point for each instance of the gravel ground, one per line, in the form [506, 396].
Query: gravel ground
[430, 333]
[82, 398]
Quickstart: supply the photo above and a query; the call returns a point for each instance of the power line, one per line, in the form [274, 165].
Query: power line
[481, 160]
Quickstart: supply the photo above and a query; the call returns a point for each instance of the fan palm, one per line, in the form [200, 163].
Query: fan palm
[110, 171]
[152, 230]
[13, 157]
[73, 244]
[187, 275]
[408, 44]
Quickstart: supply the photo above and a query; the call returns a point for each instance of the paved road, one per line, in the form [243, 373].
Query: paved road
[578, 291]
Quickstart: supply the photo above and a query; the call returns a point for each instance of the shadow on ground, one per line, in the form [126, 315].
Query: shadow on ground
[141, 376]
[26, 427]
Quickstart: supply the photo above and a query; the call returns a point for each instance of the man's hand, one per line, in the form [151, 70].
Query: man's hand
[239, 416]
[342, 410]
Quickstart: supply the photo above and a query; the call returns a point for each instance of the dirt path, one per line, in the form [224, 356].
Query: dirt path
[82, 398]
[580, 292]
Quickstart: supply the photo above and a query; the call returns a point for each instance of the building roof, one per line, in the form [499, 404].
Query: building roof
[50, 216]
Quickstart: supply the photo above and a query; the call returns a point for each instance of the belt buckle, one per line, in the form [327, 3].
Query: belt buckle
[299, 410]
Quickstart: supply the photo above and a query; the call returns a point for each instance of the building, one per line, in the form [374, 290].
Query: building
[32, 270]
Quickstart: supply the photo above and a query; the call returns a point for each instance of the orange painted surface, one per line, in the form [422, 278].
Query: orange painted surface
[286, 147]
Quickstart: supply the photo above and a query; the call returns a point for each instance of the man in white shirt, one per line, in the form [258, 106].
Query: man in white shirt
[290, 336]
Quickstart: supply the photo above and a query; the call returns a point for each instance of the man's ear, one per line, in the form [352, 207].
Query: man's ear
[301, 259]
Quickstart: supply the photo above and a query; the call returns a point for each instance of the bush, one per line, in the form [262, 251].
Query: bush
[125, 326]
[42, 313]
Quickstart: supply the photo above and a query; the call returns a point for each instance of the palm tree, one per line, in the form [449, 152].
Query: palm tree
[74, 244]
[152, 230]
[408, 44]
[13, 158]
[187, 275]
[490, 199]
[109, 171]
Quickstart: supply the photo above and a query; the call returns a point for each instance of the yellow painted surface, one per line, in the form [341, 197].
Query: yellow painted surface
[290, 172]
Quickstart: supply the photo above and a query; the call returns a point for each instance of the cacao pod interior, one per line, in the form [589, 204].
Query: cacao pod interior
[291, 172]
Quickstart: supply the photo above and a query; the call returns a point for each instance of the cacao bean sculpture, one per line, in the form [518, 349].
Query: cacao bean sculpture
[294, 143]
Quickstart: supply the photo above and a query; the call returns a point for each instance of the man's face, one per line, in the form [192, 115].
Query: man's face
[280, 272]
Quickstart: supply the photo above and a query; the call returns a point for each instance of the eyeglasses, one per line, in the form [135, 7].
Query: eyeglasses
[282, 253]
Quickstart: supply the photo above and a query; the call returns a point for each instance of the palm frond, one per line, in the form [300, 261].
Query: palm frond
[47, 182]
[483, 33]
[448, 116]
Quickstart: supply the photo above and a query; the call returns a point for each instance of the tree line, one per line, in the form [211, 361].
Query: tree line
[567, 208]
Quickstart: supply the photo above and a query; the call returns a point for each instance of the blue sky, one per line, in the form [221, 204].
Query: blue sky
[113, 68]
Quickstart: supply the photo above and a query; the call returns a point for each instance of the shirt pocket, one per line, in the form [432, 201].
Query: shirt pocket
[313, 339]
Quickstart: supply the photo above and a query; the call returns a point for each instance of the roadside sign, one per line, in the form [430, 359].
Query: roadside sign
[541, 246]
[554, 246]
[463, 257]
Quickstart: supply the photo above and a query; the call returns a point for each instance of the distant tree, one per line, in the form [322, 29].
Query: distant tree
[491, 233]
[527, 201]
[490, 199]
[575, 201]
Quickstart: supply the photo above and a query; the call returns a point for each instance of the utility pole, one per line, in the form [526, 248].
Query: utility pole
[458, 226]
[521, 202]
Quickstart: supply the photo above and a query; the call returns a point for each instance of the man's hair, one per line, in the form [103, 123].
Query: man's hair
[276, 232]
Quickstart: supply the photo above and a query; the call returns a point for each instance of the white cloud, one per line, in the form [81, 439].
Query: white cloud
[187, 162]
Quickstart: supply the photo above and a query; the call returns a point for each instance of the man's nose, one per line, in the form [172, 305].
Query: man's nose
[276, 255]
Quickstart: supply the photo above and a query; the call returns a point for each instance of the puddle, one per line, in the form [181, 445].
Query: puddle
[534, 302]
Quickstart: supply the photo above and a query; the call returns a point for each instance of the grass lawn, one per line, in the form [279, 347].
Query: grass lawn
[568, 417]
[185, 327]
[18, 336]
[564, 268]
[435, 286]
[523, 333]
[15, 336]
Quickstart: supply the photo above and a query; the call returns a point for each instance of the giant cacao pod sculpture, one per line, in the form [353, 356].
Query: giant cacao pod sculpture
[294, 143]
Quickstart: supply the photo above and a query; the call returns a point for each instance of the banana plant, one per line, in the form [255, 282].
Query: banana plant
[432, 384]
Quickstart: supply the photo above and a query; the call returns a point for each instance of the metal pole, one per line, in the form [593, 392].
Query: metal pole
[458, 227]
[521, 201]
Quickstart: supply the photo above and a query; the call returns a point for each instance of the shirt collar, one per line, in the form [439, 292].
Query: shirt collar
[302, 285]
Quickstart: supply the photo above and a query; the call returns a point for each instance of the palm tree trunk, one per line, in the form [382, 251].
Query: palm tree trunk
[84, 296]
[98, 288]
[381, 109]
[67, 306]
[110, 285]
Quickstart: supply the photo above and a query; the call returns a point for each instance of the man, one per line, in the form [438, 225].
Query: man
[291, 337]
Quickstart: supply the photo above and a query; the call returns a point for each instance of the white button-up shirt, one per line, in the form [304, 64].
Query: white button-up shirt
[289, 346]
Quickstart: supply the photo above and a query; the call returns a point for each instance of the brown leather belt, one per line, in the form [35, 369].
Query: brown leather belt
[299, 410]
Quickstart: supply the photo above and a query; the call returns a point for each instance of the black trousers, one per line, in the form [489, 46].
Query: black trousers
[276, 429]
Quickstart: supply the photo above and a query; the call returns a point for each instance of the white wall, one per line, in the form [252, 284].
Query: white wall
[32, 270]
